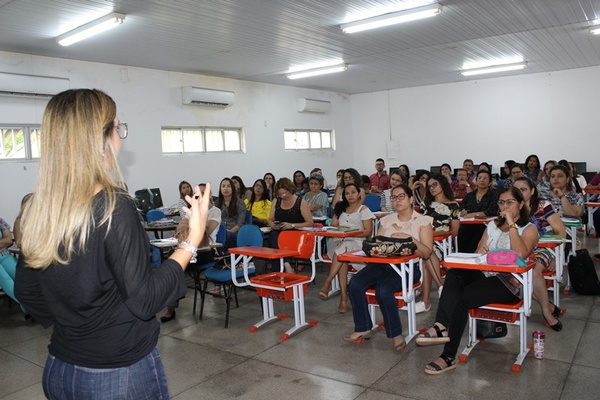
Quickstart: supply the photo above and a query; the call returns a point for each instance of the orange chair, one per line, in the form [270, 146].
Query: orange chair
[285, 286]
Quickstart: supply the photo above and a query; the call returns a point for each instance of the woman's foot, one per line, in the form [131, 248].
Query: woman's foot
[288, 268]
[437, 334]
[357, 336]
[440, 365]
[556, 311]
[343, 307]
[169, 316]
[556, 326]
[323, 295]
[420, 307]
[399, 343]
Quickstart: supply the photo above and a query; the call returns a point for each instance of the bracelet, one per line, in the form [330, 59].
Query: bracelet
[513, 225]
[186, 245]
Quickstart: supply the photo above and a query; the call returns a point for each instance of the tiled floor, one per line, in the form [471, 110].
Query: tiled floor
[205, 361]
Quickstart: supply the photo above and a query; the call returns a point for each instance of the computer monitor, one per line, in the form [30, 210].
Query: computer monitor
[435, 169]
[581, 167]
[148, 199]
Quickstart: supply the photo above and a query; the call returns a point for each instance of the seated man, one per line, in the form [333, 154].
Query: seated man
[462, 185]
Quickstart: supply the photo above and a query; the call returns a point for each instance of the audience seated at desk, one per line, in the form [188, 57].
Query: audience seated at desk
[562, 196]
[259, 204]
[316, 199]
[8, 262]
[350, 175]
[379, 180]
[185, 189]
[288, 211]
[269, 178]
[396, 178]
[462, 186]
[348, 213]
[446, 171]
[465, 289]
[543, 185]
[240, 188]
[299, 177]
[469, 167]
[233, 211]
[404, 223]
[480, 203]
[419, 187]
[516, 171]
[440, 205]
[546, 220]
[533, 168]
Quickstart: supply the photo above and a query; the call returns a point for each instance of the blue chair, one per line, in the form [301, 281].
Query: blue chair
[248, 235]
[373, 201]
[196, 270]
[154, 215]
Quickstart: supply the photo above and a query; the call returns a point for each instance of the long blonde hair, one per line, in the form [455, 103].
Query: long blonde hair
[76, 155]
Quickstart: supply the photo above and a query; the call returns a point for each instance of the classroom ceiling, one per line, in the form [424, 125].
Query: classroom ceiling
[259, 40]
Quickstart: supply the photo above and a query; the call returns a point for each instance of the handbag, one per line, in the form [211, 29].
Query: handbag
[382, 246]
[490, 329]
[505, 257]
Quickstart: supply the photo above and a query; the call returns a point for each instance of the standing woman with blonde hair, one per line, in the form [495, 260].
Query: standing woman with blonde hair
[85, 258]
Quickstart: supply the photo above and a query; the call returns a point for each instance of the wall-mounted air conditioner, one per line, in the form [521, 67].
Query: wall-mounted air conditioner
[206, 97]
[31, 85]
[312, 106]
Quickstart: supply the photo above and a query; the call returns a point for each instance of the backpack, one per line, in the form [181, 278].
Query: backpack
[582, 273]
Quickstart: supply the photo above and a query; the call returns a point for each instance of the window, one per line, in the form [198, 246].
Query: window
[302, 139]
[201, 140]
[19, 142]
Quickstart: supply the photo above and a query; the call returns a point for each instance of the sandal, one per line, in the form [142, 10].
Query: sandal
[349, 337]
[436, 369]
[556, 311]
[400, 347]
[426, 339]
[323, 295]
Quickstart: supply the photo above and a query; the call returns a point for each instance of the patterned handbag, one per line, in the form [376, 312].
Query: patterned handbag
[382, 246]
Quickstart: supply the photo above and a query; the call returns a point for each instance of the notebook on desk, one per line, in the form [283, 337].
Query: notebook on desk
[466, 258]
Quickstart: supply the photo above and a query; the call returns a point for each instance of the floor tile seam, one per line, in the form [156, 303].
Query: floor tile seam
[22, 389]
[24, 359]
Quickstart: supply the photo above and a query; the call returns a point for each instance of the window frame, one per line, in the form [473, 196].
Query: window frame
[309, 139]
[28, 130]
[203, 139]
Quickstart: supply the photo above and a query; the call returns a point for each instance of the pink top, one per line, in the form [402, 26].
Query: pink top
[391, 224]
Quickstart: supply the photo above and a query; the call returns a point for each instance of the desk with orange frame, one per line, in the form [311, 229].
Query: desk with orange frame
[403, 265]
[557, 247]
[514, 313]
[274, 286]
[333, 233]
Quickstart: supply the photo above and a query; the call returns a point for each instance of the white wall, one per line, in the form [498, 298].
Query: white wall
[552, 115]
[148, 99]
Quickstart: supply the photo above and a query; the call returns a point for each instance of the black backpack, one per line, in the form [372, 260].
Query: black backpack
[582, 273]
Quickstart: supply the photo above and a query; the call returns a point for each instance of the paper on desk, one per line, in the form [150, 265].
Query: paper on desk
[466, 258]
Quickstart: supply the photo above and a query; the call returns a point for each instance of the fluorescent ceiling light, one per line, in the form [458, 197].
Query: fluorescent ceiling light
[495, 68]
[320, 64]
[595, 31]
[90, 29]
[318, 71]
[392, 18]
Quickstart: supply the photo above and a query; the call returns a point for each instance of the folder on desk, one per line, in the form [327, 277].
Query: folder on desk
[466, 258]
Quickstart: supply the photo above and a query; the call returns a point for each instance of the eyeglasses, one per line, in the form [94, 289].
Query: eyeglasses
[508, 202]
[433, 185]
[399, 197]
[122, 130]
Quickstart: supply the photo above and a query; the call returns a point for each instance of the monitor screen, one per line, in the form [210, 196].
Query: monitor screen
[435, 169]
[148, 199]
[581, 167]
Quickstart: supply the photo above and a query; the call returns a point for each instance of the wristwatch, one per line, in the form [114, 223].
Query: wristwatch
[293, 226]
[513, 225]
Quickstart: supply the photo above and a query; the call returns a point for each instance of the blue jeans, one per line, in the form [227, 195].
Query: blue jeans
[386, 282]
[143, 380]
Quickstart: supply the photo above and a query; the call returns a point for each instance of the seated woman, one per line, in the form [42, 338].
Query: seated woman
[404, 223]
[516, 172]
[288, 211]
[348, 213]
[487, 167]
[465, 289]
[396, 178]
[350, 175]
[543, 185]
[185, 189]
[480, 203]
[259, 204]
[202, 257]
[269, 178]
[546, 220]
[240, 189]
[562, 196]
[299, 177]
[317, 199]
[403, 168]
[233, 211]
[419, 187]
[366, 183]
[440, 205]
[505, 170]
[533, 168]
[446, 171]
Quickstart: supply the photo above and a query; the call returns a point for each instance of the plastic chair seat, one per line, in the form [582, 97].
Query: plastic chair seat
[399, 296]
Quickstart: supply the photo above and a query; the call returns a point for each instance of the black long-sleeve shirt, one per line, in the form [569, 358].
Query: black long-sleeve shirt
[488, 204]
[103, 304]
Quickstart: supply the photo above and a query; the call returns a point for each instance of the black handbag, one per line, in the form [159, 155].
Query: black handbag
[490, 329]
[382, 246]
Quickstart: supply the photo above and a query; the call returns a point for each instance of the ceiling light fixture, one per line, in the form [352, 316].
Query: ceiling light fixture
[318, 71]
[495, 68]
[393, 18]
[90, 29]
[595, 30]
